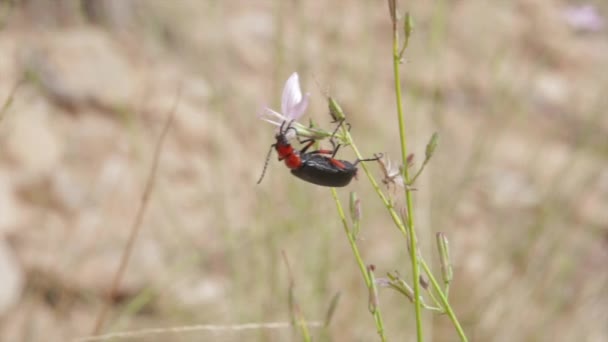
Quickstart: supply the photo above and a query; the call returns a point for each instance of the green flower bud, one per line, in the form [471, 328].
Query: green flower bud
[335, 110]
[444, 257]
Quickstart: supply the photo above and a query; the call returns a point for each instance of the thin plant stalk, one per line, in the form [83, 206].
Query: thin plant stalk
[415, 258]
[406, 180]
[298, 317]
[395, 216]
[136, 226]
[362, 267]
[445, 303]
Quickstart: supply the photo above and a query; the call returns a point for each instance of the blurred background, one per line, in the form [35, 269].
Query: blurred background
[519, 181]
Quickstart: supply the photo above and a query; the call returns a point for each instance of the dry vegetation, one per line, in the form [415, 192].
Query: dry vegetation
[519, 182]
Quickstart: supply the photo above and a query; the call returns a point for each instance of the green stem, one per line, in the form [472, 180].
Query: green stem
[418, 173]
[406, 181]
[362, 267]
[445, 302]
[404, 231]
[304, 329]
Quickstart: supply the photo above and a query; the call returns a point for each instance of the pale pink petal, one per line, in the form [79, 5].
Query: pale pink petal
[299, 109]
[291, 93]
[269, 114]
[292, 103]
[271, 122]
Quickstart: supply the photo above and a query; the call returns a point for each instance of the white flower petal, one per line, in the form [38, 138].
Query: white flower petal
[292, 104]
[272, 122]
[299, 109]
[269, 114]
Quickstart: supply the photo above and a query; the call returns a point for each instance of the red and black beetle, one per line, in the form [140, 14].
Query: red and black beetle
[318, 167]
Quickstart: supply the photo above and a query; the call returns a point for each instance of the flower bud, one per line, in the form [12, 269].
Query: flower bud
[430, 147]
[332, 308]
[408, 26]
[398, 284]
[335, 110]
[392, 10]
[444, 257]
[423, 282]
[355, 214]
[373, 290]
[410, 160]
[355, 207]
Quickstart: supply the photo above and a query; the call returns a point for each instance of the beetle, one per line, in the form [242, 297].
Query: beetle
[317, 167]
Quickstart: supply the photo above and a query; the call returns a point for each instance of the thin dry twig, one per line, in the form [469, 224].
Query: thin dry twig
[294, 307]
[135, 228]
[190, 328]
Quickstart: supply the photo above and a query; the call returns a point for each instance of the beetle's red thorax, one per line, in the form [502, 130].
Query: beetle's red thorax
[291, 156]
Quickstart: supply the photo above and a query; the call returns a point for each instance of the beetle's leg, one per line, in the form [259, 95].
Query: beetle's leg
[336, 148]
[376, 157]
[309, 143]
[333, 134]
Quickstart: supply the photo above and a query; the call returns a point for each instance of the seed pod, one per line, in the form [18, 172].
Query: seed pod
[373, 290]
[444, 257]
[336, 112]
[431, 146]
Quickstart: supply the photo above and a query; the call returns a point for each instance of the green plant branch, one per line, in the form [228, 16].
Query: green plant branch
[413, 180]
[444, 301]
[294, 307]
[400, 225]
[362, 267]
[409, 234]
[416, 263]
[406, 182]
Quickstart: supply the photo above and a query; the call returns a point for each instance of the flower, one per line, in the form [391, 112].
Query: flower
[293, 104]
[583, 18]
[392, 172]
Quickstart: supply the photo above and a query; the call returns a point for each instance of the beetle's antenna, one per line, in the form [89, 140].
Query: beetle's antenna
[266, 163]
[289, 126]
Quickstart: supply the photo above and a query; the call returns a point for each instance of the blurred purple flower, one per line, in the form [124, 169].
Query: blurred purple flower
[583, 18]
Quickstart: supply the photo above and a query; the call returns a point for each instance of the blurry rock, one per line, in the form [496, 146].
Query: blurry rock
[192, 127]
[251, 37]
[96, 270]
[11, 278]
[196, 291]
[82, 67]
[67, 195]
[114, 14]
[510, 188]
[42, 13]
[551, 89]
[10, 210]
[592, 205]
[31, 142]
[61, 191]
